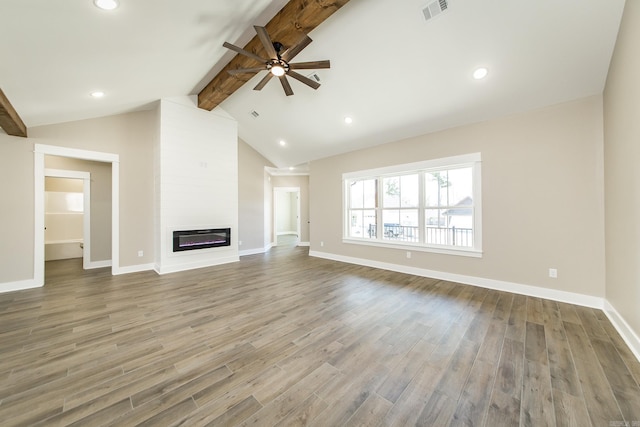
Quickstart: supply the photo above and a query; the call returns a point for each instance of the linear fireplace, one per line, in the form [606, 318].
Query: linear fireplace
[188, 240]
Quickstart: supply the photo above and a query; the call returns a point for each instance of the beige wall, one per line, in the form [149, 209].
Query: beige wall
[64, 185]
[622, 171]
[16, 209]
[100, 201]
[301, 181]
[131, 137]
[541, 192]
[251, 202]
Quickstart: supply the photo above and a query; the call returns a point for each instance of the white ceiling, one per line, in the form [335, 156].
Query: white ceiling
[395, 73]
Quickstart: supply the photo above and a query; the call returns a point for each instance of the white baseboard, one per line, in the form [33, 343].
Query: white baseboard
[256, 250]
[283, 233]
[304, 244]
[253, 251]
[18, 286]
[97, 264]
[134, 269]
[194, 265]
[534, 291]
[623, 328]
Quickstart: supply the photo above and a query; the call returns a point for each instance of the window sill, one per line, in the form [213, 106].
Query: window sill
[446, 250]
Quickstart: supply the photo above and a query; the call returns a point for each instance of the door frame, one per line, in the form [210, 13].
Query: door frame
[40, 151]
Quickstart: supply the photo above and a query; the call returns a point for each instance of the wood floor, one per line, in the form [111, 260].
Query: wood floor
[284, 339]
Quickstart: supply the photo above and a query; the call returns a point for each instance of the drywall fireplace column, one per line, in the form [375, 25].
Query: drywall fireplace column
[196, 172]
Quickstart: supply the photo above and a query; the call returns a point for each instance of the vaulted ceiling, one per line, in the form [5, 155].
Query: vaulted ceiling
[395, 73]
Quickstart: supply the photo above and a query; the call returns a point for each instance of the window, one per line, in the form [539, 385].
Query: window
[363, 197]
[432, 205]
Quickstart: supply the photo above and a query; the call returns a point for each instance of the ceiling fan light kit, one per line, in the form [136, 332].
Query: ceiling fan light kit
[106, 4]
[279, 64]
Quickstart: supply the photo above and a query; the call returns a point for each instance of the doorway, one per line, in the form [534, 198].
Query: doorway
[68, 215]
[286, 217]
[40, 151]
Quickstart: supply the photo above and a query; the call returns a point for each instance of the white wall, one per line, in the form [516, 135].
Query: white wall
[197, 176]
[64, 218]
[286, 211]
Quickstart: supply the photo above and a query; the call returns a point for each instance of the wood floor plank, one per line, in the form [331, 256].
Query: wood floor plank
[535, 312]
[438, 410]
[293, 398]
[630, 361]
[506, 398]
[474, 401]
[516, 326]
[600, 400]
[282, 338]
[571, 411]
[233, 416]
[408, 407]
[624, 386]
[402, 374]
[354, 391]
[491, 344]
[305, 413]
[568, 313]
[457, 371]
[563, 373]
[535, 345]
[591, 323]
[537, 399]
[504, 410]
[371, 412]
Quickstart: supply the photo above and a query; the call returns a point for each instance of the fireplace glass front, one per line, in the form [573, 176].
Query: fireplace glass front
[188, 240]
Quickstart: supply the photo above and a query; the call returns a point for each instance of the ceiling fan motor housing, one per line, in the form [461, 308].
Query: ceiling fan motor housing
[278, 62]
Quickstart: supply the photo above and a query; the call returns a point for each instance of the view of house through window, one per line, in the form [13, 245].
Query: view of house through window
[416, 204]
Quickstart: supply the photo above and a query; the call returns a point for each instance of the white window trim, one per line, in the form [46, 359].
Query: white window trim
[445, 163]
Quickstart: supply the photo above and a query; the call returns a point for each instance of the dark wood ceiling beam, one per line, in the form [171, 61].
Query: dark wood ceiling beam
[10, 121]
[296, 19]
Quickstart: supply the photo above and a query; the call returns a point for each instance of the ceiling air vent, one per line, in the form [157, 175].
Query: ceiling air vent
[255, 114]
[435, 8]
[314, 76]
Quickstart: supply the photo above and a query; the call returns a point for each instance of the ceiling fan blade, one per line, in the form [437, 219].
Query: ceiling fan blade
[311, 83]
[245, 70]
[244, 52]
[311, 65]
[285, 85]
[266, 41]
[290, 53]
[263, 82]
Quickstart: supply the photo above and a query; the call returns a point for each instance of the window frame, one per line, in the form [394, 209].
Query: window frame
[473, 160]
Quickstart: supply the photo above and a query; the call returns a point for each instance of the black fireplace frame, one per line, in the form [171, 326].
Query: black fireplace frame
[179, 235]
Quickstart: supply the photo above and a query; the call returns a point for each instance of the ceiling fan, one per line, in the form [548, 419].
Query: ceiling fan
[278, 64]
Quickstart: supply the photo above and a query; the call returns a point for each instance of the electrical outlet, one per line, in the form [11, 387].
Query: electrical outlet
[239, 242]
[553, 273]
[408, 254]
[321, 243]
[140, 253]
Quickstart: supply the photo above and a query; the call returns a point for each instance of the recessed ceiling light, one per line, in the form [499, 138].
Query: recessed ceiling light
[348, 120]
[97, 94]
[291, 168]
[282, 143]
[480, 73]
[106, 4]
